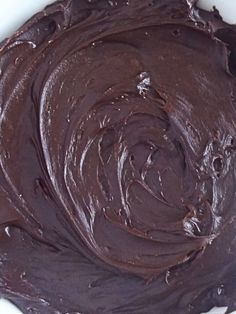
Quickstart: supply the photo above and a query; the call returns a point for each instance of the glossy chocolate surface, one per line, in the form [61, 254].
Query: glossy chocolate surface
[117, 159]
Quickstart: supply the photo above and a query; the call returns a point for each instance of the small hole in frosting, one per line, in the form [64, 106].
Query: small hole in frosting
[176, 32]
[218, 165]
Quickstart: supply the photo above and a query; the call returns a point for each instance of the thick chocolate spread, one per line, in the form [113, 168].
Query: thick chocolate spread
[118, 159]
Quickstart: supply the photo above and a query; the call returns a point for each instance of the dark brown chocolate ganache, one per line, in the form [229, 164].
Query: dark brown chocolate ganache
[117, 159]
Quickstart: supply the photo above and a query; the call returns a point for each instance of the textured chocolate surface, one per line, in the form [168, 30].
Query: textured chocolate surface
[117, 159]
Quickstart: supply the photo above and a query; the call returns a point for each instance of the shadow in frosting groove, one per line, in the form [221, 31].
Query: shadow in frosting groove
[117, 165]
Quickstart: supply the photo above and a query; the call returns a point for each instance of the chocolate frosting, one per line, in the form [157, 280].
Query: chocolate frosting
[117, 159]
